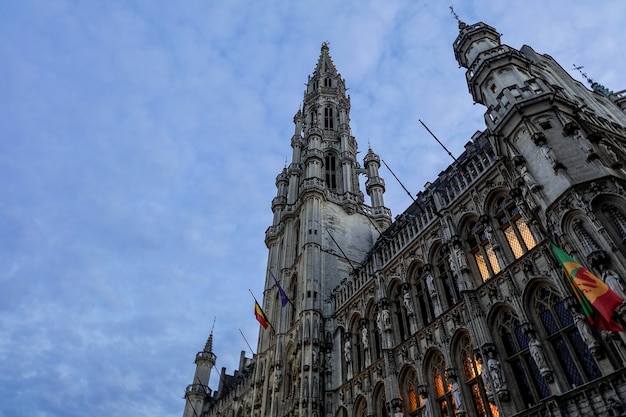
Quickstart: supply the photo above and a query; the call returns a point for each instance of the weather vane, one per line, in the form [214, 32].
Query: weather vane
[456, 16]
[579, 69]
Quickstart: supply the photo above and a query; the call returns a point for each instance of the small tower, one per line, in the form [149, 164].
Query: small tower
[198, 392]
[375, 188]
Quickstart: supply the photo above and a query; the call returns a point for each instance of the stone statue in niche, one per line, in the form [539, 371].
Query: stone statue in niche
[613, 281]
[534, 346]
[364, 338]
[548, 153]
[456, 395]
[529, 179]
[407, 302]
[347, 351]
[495, 371]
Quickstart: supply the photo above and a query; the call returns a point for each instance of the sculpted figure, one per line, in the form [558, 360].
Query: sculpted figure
[407, 302]
[537, 353]
[495, 371]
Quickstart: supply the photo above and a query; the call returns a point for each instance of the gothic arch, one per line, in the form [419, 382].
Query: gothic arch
[292, 293]
[469, 372]
[436, 379]
[511, 340]
[421, 282]
[398, 312]
[357, 352]
[373, 332]
[582, 234]
[380, 406]
[332, 170]
[341, 412]
[360, 407]
[445, 278]
[610, 212]
[553, 318]
[409, 383]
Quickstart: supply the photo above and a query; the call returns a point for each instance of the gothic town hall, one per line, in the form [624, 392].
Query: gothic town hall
[458, 306]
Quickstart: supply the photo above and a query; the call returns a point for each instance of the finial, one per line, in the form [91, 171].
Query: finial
[456, 16]
[208, 347]
[285, 167]
[325, 44]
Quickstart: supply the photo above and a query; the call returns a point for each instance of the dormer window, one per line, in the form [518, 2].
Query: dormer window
[327, 82]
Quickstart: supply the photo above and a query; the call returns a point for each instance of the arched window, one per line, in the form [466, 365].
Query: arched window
[574, 357]
[481, 247]
[327, 82]
[531, 385]
[612, 214]
[380, 402]
[425, 309]
[472, 370]
[400, 313]
[443, 387]
[293, 296]
[410, 392]
[447, 280]
[328, 118]
[331, 171]
[514, 228]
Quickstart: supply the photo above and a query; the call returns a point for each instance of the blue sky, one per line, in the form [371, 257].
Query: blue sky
[139, 145]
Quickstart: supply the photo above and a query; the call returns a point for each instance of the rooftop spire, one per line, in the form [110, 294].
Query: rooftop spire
[208, 347]
[325, 63]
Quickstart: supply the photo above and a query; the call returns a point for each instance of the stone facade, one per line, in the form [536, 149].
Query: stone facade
[458, 307]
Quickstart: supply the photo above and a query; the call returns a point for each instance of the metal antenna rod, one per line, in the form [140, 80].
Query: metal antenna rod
[438, 141]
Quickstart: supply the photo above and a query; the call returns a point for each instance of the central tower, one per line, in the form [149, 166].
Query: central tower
[321, 231]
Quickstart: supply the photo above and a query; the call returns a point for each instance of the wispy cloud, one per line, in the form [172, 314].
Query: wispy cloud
[139, 144]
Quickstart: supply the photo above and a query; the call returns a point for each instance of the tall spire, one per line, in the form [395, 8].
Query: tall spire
[208, 347]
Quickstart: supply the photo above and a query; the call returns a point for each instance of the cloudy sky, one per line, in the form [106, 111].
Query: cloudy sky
[139, 145]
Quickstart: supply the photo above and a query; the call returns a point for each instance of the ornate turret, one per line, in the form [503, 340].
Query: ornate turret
[198, 392]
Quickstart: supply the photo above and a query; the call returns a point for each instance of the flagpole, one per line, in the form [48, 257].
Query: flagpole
[281, 288]
[342, 252]
[246, 340]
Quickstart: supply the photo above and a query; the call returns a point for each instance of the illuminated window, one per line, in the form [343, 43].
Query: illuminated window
[482, 250]
[411, 391]
[443, 387]
[472, 370]
[516, 231]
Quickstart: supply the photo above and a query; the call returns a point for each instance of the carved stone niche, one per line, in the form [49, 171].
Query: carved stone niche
[539, 138]
[595, 137]
[570, 128]
[597, 258]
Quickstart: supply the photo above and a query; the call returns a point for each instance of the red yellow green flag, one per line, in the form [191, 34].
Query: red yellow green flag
[260, 315]
[597, 300]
